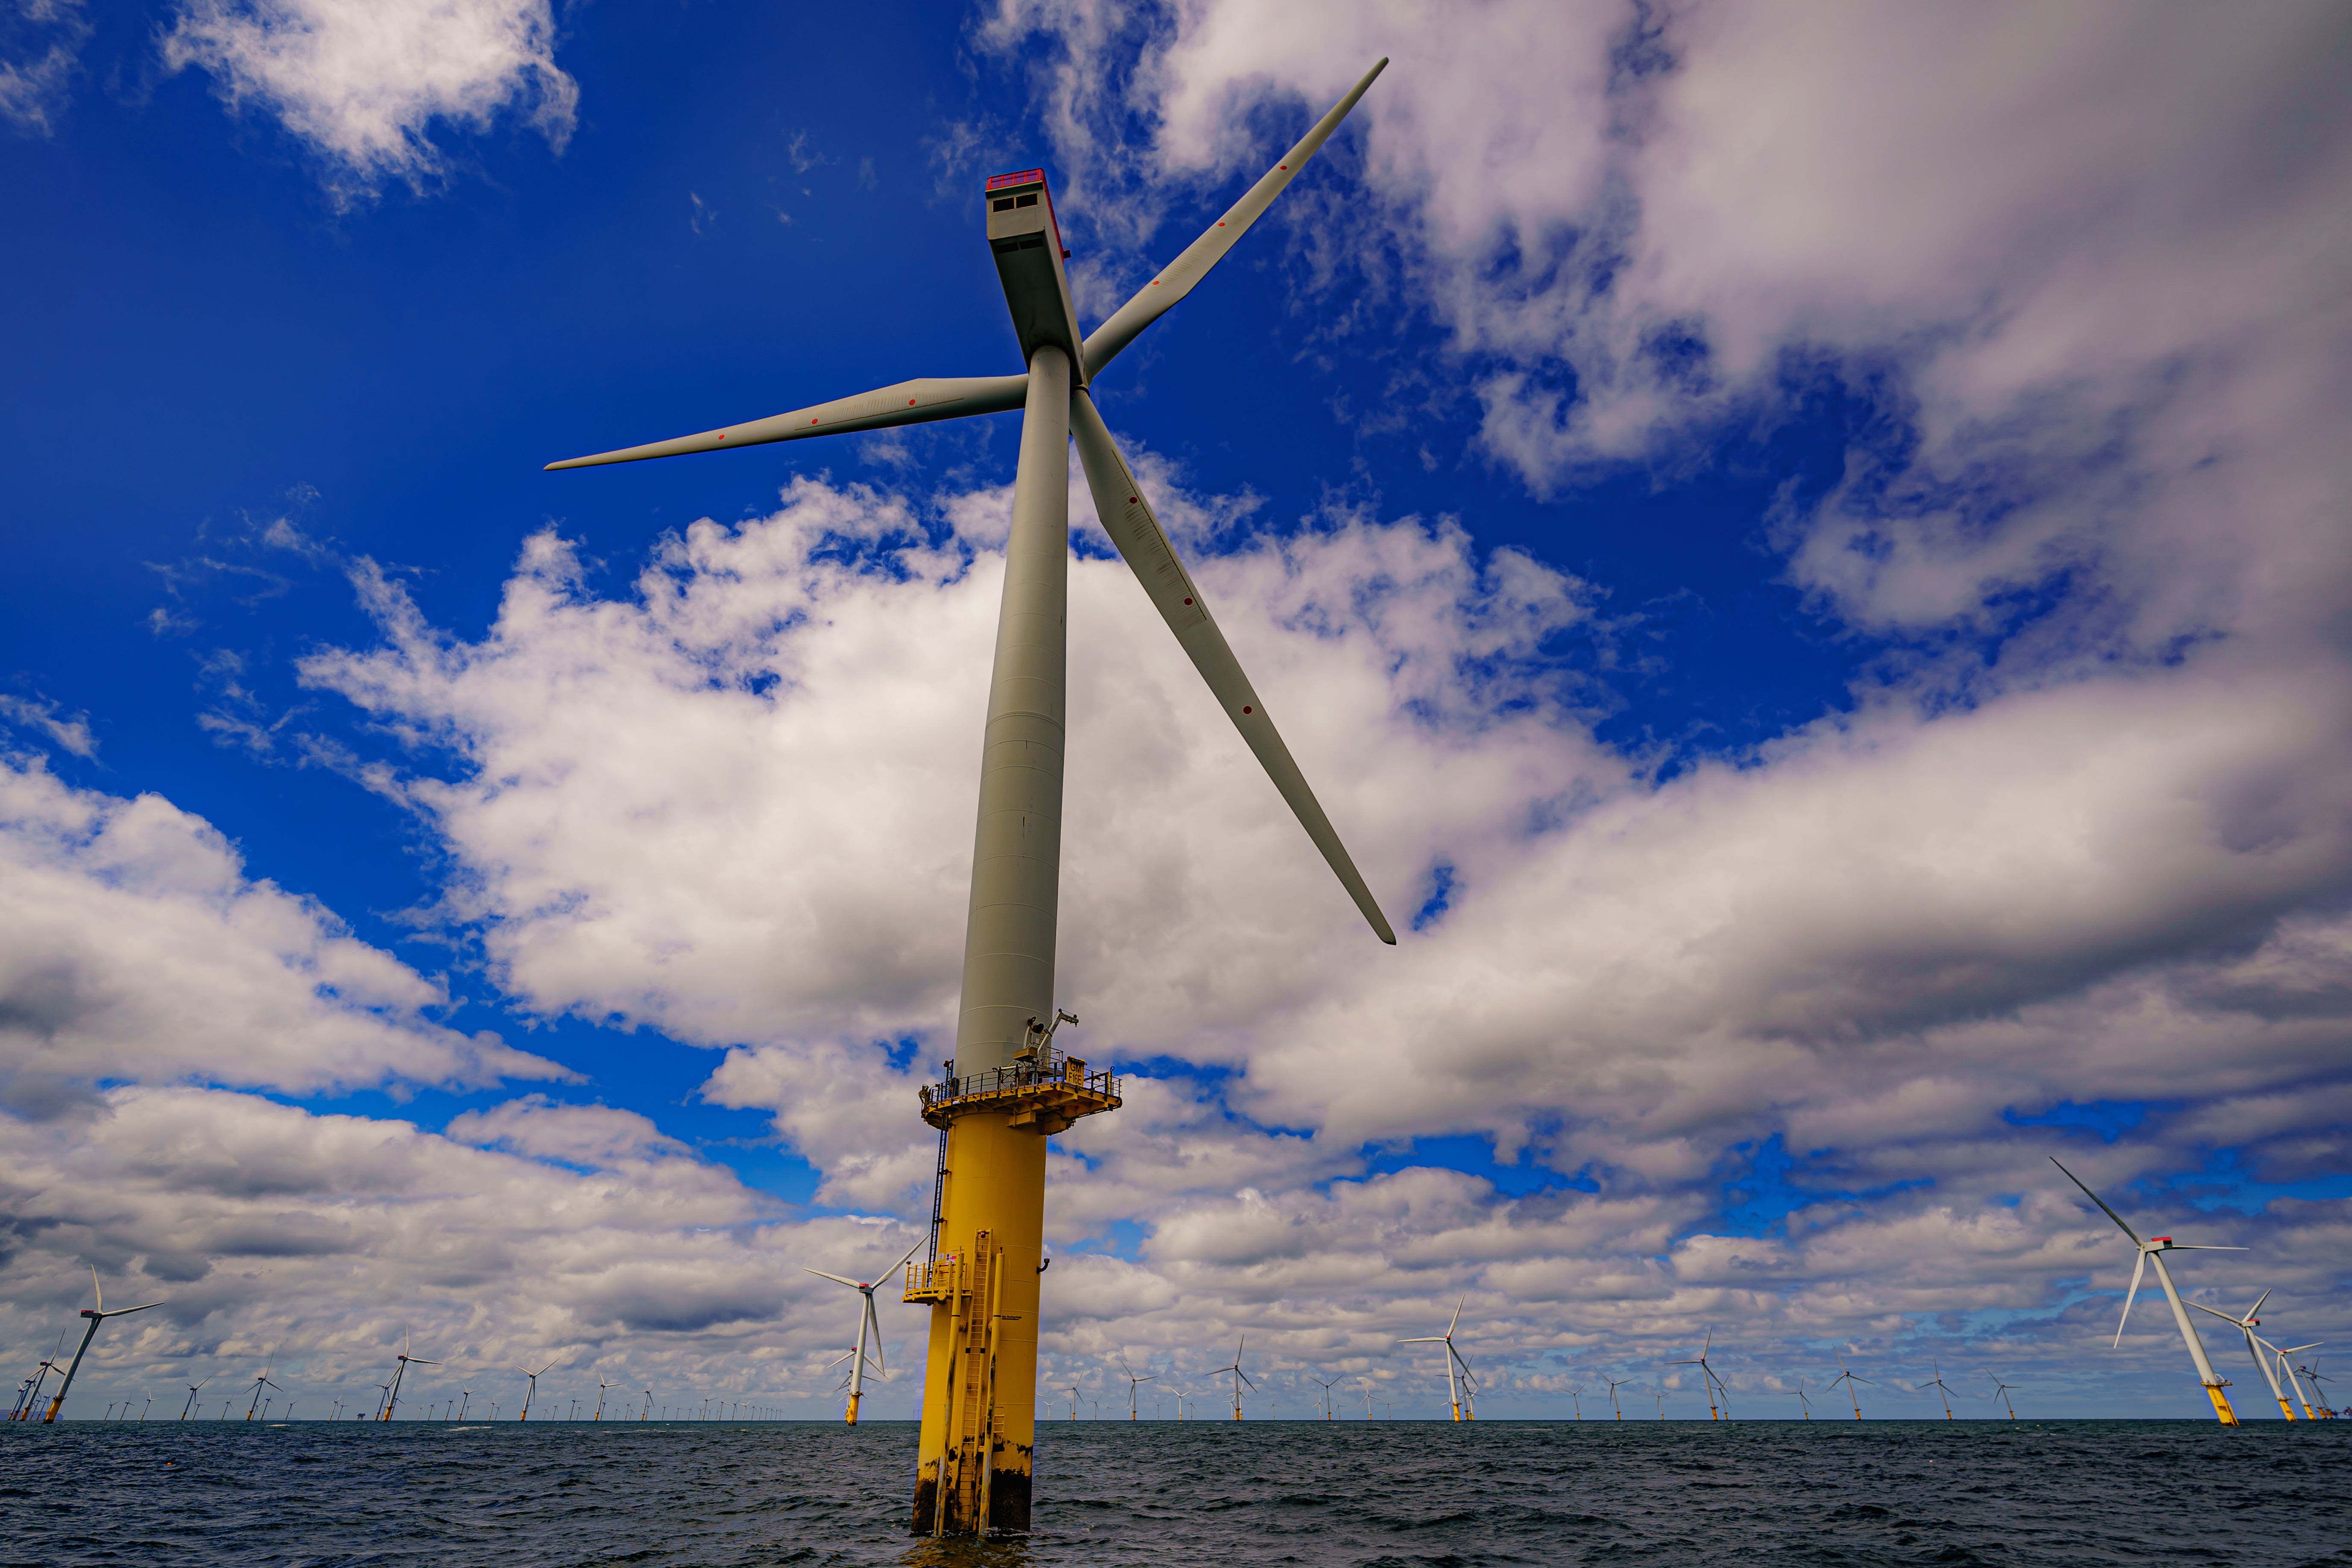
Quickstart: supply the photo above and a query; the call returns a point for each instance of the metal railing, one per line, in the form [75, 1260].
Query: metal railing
[1049, 1070]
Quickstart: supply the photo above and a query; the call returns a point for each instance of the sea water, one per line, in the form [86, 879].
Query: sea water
[445, 1495]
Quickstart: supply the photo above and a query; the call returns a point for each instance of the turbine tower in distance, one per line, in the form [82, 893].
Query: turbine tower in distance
[1007, 1089]
[868, 1326]
[95, 1315]
[2156, 1248]
[1457, 1394]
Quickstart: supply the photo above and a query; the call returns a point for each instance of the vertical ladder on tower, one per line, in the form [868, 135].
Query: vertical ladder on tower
[972, 1424]
[939, 1195]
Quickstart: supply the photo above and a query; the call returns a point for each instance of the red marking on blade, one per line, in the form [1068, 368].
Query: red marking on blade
[812, 421]
[1282, 165]
[1246, 707]
[911, 403]
[1188, 601]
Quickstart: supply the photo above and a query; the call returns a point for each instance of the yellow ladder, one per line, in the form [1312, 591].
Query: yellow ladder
[972, 1424]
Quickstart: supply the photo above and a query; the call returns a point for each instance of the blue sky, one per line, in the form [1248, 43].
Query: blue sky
[1834, 585]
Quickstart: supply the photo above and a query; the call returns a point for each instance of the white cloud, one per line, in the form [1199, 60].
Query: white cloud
[362, 82]
[134, 947]
[1879, 940]
[40, 54]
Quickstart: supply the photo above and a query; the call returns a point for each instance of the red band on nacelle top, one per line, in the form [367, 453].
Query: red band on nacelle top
[1026, 177]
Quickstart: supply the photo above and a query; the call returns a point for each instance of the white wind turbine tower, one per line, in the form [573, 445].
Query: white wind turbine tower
[2003, 1389]
[2256, 1345]
[96, 1316]
[1009, 1089]
[866, 1323]
[1576, 1397]
[1457, 1394]
[403, 1362]
[1802, 1401]
[1327, 1387]
[601, 1386]
[1614, 1384]
[2156, 1248]
[261, 1383]
[531, 1389]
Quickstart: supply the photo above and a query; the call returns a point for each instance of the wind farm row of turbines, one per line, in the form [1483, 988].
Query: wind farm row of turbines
[2294, 1385]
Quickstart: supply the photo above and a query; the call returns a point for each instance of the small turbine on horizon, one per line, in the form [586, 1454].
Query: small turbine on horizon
[1708, 1379]
[1458, 1393]
[1943, 1390]
[1240, 1376]
[866, 1323]
[2000, 1391]
[1133, 1384]
[2156, 1248]
[1614, 1384]
[400, 1370]
[1802, 1400]
[1850, 1379]
[1327, 1394]
[531, 1389]
[95, 1315]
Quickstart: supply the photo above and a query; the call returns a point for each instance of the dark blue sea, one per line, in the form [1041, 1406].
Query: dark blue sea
[1826, 1492]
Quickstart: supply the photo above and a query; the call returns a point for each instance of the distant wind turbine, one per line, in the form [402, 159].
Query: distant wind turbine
[601, 1386]
[2156, 1248]
[1614, 1384]
[401, 1362]
[259, 1383]
[1574, 1397]
[1327, 1394]
[531, 1388]
[1799, 1396]
[2000, 1391]
[1849, 1379]
[2255, 1347]
[867, 1323]
[2295, 1368]
[95, 1315]
[1707, 1379]
[1943, 1390]
[1240, 1376]
[1457, 1394]
[1134, 1383]
[32, 1400]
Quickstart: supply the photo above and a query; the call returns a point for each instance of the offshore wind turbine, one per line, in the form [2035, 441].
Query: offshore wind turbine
[1943, 1390]
[2156, 1248]
[2001, 1390]
[1327, 1394]
[1706, 1377]
[2255, 1346]
[400, 1370]
[1575, 1398]
[41, 1375]
[2293, 1368]
[1133, 1383]
[1240, 1376]
[1006, 1089]
[1458, 1394]
[601, 1386]
[263, 1381]
[866, 1321]
[95, 1315]
[1849, 1379]
[1614, 1384]
[1802, 1401]
[531, 1387]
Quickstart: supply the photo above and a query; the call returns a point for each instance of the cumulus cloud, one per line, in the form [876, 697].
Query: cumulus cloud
[362, 85]
[1864, 953]
[135, 947]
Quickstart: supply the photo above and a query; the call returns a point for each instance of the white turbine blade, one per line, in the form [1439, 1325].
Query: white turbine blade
[875, 1325]
[2256, 1310]
[1457, 1309]
[95, 1286]
[836, 1279]
[1425, 1339]
[1127, 518]
[1179, 277]
[909, 402]
[2129, 1297]
[2225, 1317]
[909, 1257]
[2199, 1247]
[2101, 1201]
